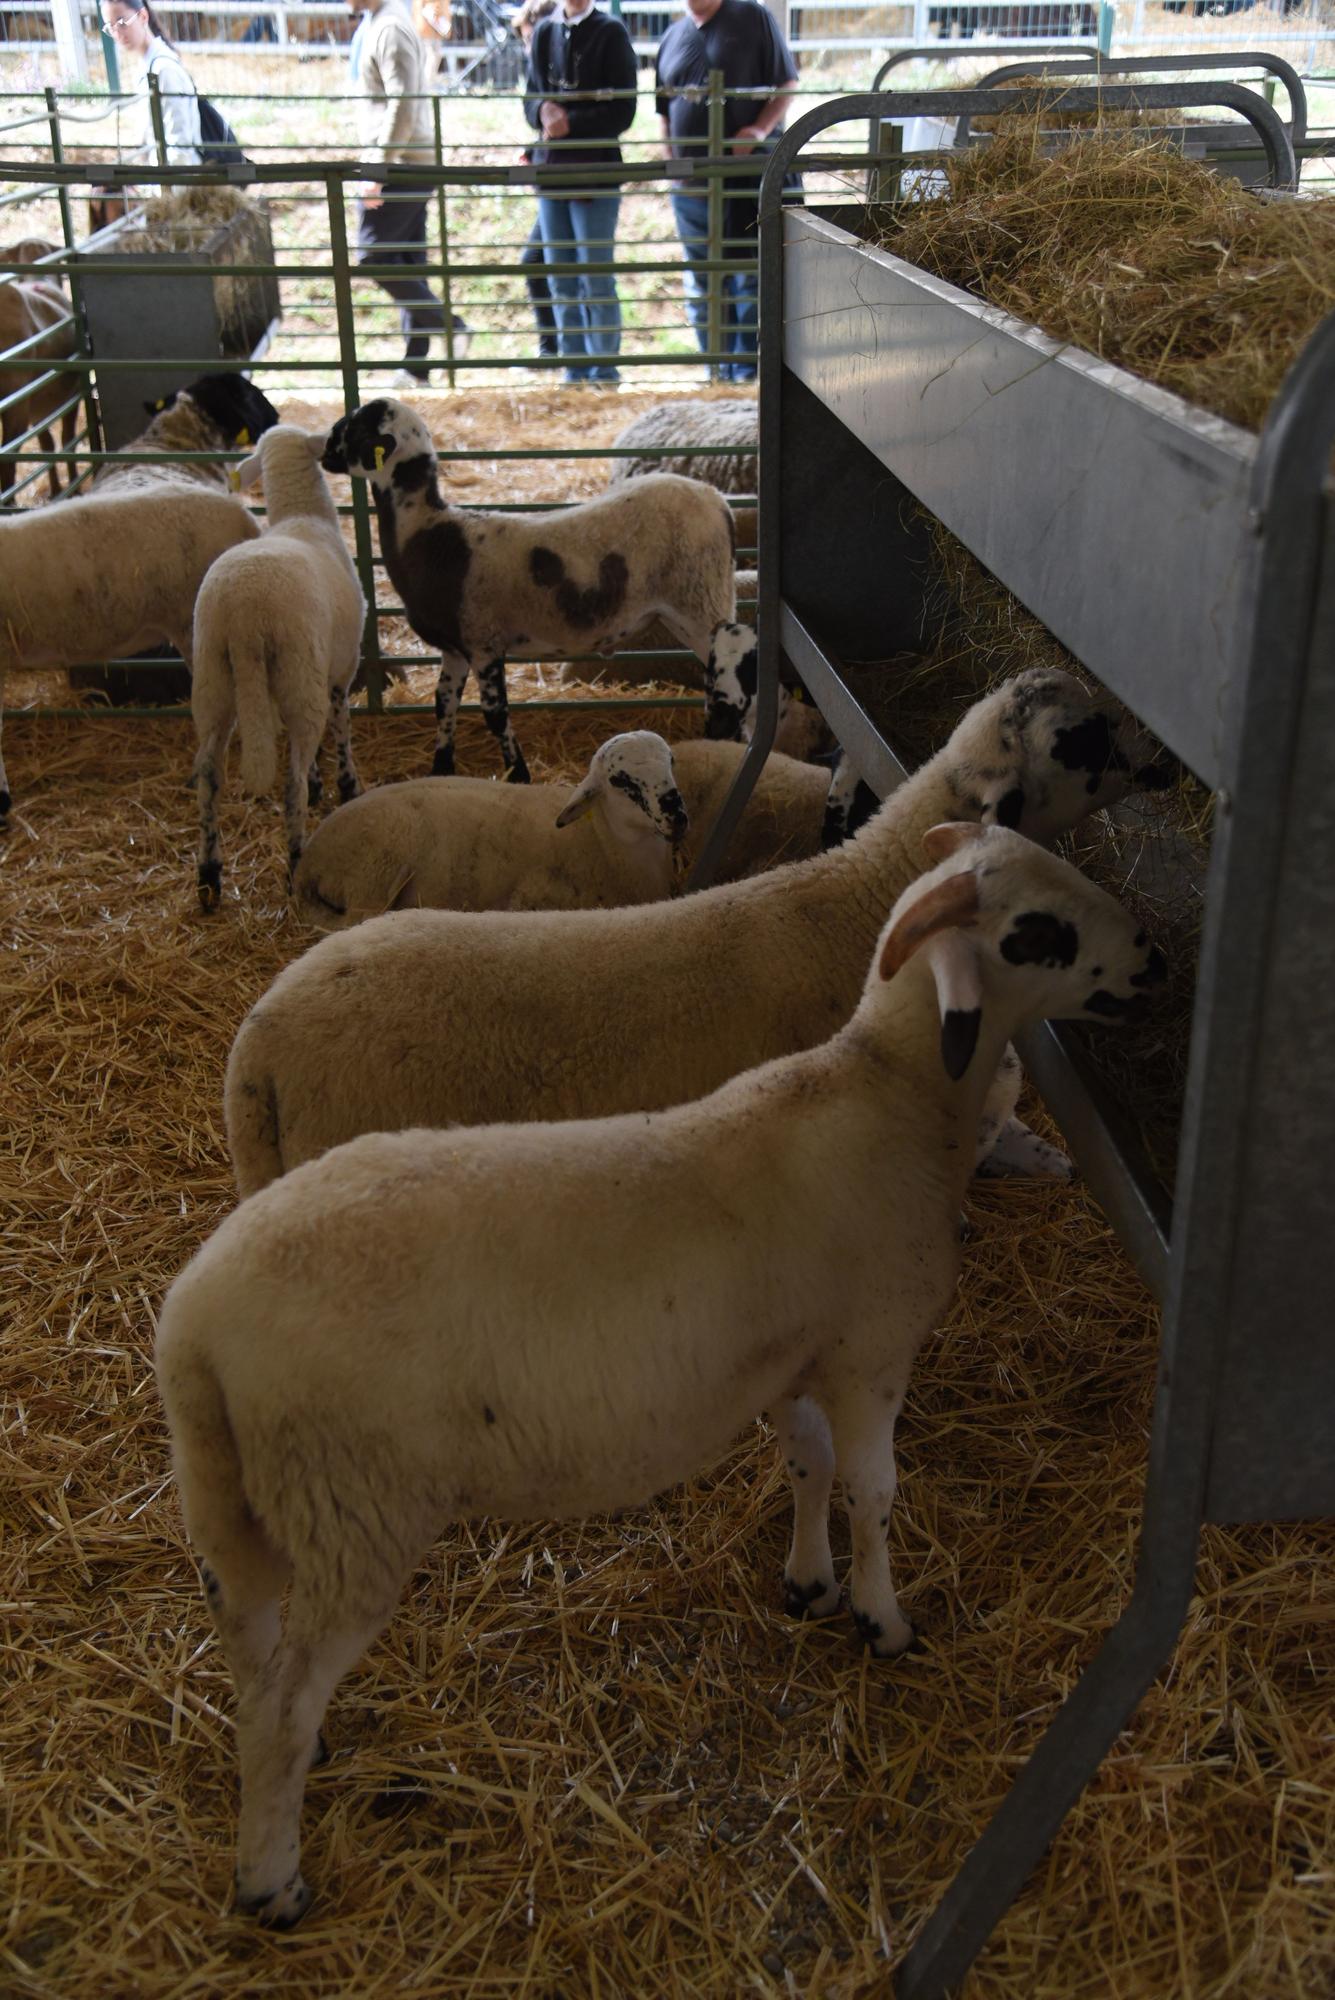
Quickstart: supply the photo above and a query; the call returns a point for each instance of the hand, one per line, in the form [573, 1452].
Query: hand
[747, 139]
[555, 123]
[371, 194]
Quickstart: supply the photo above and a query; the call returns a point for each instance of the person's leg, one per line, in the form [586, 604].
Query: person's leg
[395, 234]
[539, 291]
[595, 227]
[559, 252]
[742, 288]
[691, 214]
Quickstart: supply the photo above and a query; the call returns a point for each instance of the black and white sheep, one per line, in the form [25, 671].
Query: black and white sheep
[278, 628]
[480, 586]
[579, 1316]
[646, 1007]
[221, 412]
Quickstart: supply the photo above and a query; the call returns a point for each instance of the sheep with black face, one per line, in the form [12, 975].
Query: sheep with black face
[480, 586]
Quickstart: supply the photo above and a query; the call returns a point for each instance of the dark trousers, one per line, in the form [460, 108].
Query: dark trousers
[395, 233]
[539, 291]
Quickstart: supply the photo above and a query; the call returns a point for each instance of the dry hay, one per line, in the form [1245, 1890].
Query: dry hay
[585, 1759]
[217, 225]
[1147, 259]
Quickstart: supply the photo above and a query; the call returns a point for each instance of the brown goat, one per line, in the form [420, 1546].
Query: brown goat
[27, 306]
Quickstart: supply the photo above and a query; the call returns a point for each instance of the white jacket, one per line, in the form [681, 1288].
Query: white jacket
[180, 108]
[394, 74]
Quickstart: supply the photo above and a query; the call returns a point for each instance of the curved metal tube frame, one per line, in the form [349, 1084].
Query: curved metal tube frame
[1274, 66]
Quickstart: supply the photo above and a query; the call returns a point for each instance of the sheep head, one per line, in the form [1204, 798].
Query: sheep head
[377, 441]
[1006, 924]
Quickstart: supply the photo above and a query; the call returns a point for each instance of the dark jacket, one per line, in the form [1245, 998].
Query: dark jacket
[593, 53]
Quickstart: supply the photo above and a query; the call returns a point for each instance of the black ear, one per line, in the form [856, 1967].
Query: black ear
[335, 455]
[959, 1039]
[1010, 807]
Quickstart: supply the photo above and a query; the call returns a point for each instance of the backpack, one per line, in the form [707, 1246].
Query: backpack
[218, 143]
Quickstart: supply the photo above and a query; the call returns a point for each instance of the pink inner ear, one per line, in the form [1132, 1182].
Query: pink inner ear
[942, 907]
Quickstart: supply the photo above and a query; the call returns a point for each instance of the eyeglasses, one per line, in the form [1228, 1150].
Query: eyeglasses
[120, 21]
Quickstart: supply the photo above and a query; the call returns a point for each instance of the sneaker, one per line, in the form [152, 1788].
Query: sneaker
[404, 378]
[463, 340]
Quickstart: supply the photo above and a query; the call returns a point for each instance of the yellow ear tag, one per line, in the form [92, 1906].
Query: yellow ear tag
[234, 478]
[380, 458]
[243, 435]
[161, 403]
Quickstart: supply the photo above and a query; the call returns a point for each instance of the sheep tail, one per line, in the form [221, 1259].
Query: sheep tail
[254, 713]
[233, 1546]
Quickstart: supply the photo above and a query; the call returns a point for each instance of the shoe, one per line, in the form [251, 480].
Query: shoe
[463, 340]
[404, 378]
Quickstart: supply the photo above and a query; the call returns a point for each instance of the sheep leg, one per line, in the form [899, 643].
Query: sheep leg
[340, 726]
[278, 1730]
[6, 797]
[208, 764]
[809, 1587]
[1018, 1150]
[314, 783]
[730, 681]
[247, 1615]
[495, 699]
[294, 803]
[863, 1426]
[449, 687]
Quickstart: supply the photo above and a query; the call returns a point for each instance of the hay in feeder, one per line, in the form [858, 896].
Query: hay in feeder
[217, 225]
[585, 1759]
[1145, 258]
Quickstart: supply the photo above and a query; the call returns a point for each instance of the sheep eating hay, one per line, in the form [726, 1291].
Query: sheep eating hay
[581, 1315]
[473, 845]
[640, 1008]
[480, 586]
[215, 413]
[278, 626]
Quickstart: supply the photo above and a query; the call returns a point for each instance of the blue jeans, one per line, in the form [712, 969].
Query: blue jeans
[588, 311]
[741, 291]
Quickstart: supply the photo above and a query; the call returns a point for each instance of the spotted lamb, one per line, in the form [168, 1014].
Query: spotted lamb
[480, 586]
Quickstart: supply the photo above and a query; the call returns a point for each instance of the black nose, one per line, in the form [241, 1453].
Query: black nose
[1156, 970]
[723, 725]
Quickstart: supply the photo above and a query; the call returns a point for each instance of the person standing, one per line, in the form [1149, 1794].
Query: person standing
[743, 40]
[573, 53]
[134, 26]
[390, 67]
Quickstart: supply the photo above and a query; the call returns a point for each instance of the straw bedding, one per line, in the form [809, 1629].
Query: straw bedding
[585, 1759]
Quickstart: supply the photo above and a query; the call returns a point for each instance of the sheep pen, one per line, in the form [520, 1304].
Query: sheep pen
[598, 1759]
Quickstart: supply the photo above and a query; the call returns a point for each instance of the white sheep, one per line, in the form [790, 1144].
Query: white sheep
[108, 575]
[213, 413]
[474, 845]
[480, 586]
[278, 628]
[441, 1017]
[579, 1316]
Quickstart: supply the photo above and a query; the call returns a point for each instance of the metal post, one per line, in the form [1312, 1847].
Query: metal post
[1107, 22]
[361, 513]
[68, 24]
[68, 231]
[883, 180]
[442, 223]
[716, 199]
[110, 58]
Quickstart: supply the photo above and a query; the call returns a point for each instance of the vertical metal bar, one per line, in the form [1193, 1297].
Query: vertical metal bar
[155, 113]
[372, 671]
[76, 303]
[109, 57]
[442, 223]
[1107, 22]
[716, 198]
[884, 181]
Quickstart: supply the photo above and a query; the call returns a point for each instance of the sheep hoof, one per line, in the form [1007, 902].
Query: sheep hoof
[314, 791]
[6, 801]
[810, 1600]
[281, 1909]
[886, 1642]
[518, 773]
[442, 764]
[210, 889]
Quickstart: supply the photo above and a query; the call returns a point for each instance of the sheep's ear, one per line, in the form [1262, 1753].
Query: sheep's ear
[248, 472]
[943, 907]
[1003, 800]
[940, 842]
[959, 996]
[580, 803]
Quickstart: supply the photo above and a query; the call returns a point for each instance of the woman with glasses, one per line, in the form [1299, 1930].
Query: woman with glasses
[136, 29]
